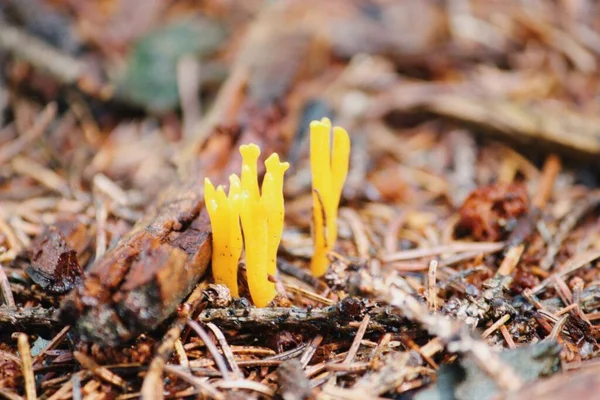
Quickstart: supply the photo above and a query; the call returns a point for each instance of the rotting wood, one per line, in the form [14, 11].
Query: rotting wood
[314, 319]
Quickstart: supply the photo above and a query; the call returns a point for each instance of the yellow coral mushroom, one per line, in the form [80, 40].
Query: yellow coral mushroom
[272, 196]
[262, 221]
[227, 236]
[261, 218]
[329, 168]
[250, 153]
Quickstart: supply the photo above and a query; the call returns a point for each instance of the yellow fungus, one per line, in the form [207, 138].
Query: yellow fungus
[256, 240]
[272, 195]
[235, 231]
[227, 237]
[250, 153]
[262, 218]
[329, 168]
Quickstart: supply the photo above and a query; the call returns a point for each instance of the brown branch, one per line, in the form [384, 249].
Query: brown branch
[27, 316]
[317, 319]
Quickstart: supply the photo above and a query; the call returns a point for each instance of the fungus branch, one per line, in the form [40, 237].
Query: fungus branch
[329, 168]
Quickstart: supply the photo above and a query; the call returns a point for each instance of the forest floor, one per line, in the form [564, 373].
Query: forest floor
[469, 233]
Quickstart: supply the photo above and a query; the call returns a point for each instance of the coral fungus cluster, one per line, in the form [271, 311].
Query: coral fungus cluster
[261, 212]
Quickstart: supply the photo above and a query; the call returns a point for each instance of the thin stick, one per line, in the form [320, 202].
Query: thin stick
[495, 326]
[105, 185]
[570, 266]
[226, 350]
[457, 247]
[432, 347]
[431, 286]
[76, 387]
[183, 359]
[413, 346]
[7, 295]
[28, 316]
[550, 171]
[153, 385]
[356, 342]
[578, 285]
[27, 366]
[56, 340]
[358, 230]
[510, 261]
[308, 294]
[381, 346]
[9, 356]
[246, 384]
[152, 388]
[348, 367]
[9, 395]
[562, 290]
[210, 345]
[98, 370]
[101, 218]
[310, 350]
[390, 239]
[188, 82]
[294, 318]
[39, 54]
[508, 337]
[200, 384]
[68, 385]
[11, 149]
[11, 238]
[43, 175]
[566, 309]
[567, 225]
[557, 328]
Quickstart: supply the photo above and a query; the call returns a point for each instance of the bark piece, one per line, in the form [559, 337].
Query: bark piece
[114, 305]
[54, 264]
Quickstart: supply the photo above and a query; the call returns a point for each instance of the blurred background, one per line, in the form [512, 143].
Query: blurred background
[467, 118]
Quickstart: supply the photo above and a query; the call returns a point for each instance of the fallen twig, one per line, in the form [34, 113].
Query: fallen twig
[27, 367]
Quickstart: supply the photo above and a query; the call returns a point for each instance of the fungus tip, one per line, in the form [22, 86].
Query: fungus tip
[250, 151]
